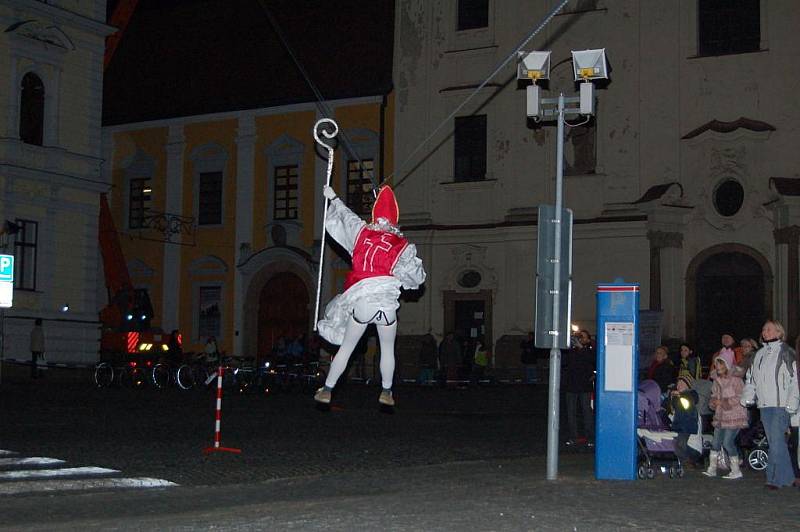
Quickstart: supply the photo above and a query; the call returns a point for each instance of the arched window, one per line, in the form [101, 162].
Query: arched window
[31, 115]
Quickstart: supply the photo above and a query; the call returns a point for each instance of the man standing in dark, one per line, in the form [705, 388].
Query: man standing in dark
[37, 347]
[449, 357]
[528, 359]
[577, 382]
[427, 359]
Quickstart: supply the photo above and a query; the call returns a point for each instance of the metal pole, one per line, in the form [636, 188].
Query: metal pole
[555, 353]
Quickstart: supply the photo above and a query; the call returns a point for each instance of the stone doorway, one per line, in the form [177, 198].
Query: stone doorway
[469, 316]
[282, 310]
[729, 290]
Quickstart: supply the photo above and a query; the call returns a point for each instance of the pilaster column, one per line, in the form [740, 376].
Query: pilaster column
[787, 240]
[666, 287]
[245, 185]
[173, 204]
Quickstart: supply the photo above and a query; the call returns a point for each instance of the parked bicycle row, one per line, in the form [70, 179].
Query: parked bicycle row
[198, 372]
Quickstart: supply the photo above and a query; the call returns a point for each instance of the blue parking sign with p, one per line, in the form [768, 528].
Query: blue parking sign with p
[7, 268]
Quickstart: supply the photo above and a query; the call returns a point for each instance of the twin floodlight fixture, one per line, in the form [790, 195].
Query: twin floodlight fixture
[587, 65]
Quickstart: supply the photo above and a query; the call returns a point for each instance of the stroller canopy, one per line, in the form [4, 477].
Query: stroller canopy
[648, 406]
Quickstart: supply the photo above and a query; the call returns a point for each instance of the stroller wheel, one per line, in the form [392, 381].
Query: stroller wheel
[757, 459]
[641, 472]
[651, 473]
[672, 472]
[679, 471]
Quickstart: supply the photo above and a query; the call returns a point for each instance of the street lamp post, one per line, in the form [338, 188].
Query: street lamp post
[554, 333]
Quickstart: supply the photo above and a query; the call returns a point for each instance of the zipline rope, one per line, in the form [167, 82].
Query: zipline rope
[455, 111]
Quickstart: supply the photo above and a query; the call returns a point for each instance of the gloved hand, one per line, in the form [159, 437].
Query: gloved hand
[328, 192]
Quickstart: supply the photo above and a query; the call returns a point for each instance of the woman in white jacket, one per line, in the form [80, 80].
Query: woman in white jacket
[771, 383]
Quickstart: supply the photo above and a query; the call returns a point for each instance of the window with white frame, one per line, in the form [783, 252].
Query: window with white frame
[209, 321]
[25, 254]
[360, 175]
[210, 198]
[285, 180]
[31, 110]
[209, 162]
[140, 197]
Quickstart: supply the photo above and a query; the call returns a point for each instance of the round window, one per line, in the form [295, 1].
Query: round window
[728, 197]
[469, 279]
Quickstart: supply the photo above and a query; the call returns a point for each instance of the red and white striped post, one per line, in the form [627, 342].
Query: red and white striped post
[218, 420]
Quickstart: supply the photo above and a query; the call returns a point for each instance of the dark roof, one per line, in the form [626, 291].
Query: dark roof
[786, 186]
[727, 127]
[190, 57]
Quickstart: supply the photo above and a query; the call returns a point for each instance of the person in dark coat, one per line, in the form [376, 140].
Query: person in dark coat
[577, 382]
[427, 359]
[528, 358]
[37, 348]
[662, 370]
[449, 357]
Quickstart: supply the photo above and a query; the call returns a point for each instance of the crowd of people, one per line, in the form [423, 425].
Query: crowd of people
[744, 384]
[453, 360]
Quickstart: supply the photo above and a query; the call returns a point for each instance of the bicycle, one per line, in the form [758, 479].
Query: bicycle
[103, 375]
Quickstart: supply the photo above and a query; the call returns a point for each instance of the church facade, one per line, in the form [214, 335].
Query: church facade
[686, 181]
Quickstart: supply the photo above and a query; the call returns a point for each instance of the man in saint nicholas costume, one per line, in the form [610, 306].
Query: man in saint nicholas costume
[383, 262]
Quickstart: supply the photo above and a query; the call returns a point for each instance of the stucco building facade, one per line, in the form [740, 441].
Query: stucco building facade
[685, 182]
[51, 59]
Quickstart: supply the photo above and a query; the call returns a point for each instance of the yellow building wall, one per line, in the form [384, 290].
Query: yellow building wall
[367, 116]
[220, 241]
[217, 241]
[152, 142]
[268, 130]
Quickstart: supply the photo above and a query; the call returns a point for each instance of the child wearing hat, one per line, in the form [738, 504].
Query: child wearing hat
[686, 420]
[729, 415]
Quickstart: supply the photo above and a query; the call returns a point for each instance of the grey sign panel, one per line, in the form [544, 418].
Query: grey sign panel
[552, 262]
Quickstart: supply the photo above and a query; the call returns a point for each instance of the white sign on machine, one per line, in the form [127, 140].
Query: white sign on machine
[619, 357]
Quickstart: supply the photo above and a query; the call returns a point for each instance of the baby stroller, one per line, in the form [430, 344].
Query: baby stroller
[655, 441]
[754, 446]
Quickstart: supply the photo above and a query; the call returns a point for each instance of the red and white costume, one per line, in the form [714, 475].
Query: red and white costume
[383, 262]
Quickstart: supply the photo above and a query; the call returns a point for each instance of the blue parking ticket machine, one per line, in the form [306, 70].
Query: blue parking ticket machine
[616, 384]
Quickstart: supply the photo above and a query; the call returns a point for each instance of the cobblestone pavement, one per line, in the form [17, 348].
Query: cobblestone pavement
[446, 460]
[161, 434]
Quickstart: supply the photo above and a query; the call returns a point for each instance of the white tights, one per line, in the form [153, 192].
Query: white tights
[363, 315]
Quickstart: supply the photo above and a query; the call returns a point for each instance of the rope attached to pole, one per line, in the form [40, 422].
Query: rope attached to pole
[514, 54]
[329, 135]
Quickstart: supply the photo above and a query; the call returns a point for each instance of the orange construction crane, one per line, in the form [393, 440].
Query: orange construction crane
[120, 18]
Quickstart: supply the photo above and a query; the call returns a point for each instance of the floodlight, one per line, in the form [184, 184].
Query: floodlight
[590, 64]
[533, 65]
[65, 307]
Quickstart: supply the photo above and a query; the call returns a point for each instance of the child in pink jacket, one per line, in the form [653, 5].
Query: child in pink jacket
[729, 414]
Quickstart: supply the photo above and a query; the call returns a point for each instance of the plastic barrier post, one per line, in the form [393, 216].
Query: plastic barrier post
[218, 421]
